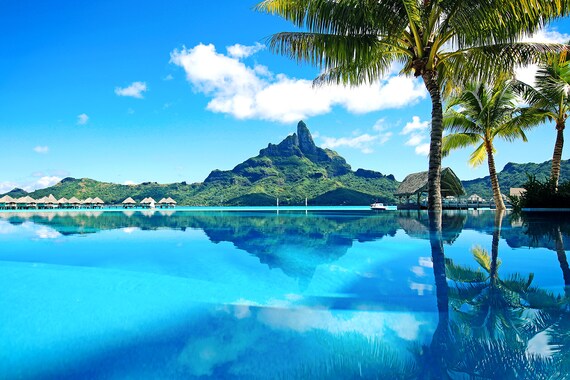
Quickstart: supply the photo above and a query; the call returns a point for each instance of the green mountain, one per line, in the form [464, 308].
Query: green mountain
[293, 170]
[515, 175]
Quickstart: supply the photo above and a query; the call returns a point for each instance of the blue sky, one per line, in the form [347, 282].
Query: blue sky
[130, 91]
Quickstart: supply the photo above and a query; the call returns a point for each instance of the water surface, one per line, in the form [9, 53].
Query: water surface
[297, 294]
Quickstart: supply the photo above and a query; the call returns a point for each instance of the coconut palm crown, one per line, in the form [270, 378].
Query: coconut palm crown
[479, 114]
[441, 41]
[550, 96]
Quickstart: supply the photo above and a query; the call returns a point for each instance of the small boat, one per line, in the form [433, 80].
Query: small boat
[378, 206]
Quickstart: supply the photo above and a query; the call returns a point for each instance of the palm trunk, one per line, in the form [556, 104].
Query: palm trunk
[434, 170]
[441, 344]
[499, 204]
[562, 260]
[495, 245]
[557, 156]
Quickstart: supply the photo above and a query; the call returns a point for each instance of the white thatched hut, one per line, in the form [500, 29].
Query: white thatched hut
[7, 202]
[74, 202]
[129, 203]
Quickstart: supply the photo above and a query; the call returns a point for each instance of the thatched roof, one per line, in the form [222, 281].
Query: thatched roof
[148, 200]
[26, 199]
[74, 200]
[88, 200]
[6, 199]
[475, 198]
[63, 201]
[417, 183]
[170, 200]
[98, 200]
[163, 200]
[129, 200]
[51, 199]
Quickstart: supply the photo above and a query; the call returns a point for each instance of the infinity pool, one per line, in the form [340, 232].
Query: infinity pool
[280, 295]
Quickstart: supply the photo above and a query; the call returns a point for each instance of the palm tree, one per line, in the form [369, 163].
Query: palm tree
[441, 41]
[485, 113]
[551, 97]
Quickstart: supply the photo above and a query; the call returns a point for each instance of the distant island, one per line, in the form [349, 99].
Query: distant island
[294, 171]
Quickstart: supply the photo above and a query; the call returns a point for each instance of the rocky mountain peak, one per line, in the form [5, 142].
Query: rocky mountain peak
[306, 143]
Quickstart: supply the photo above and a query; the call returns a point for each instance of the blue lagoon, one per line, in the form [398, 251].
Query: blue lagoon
[289, 294]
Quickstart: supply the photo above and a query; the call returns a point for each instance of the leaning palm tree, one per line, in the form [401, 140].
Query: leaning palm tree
[441, 41]
[479, 114]
[551, 96]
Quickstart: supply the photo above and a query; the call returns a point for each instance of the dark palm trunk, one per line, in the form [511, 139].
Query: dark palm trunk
[495, 245]
[499, 204]
[441, 345]
[561, 253]
[557, 156]
[434, 170]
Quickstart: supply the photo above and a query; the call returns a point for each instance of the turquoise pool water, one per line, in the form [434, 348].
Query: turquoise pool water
[318, 293]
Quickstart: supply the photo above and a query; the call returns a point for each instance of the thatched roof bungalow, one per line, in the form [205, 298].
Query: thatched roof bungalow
[129, 203]
[7, 202]
[416, 184]
[74, 202]
[167, 202]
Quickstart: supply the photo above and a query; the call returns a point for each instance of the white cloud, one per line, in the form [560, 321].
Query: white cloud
[41, 149]
[422, 149]
[129, 182]
[417, 130]
[415, 139]
[242, 51]
[415, 125]
[168, 77]
[7, 186]
[135, 90]
[361, 142]
[47, 181]
[527, 73]
[365, 142]
[255, 93]
[30, 185]
[82, 119]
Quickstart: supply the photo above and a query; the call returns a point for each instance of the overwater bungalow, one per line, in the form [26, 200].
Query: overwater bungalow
[87, 203]
[7, 202]
[74, 202]
[167, 203]
[26, 202]
[98, 202]
[415, 185]
[51, 202]
[129, 203]
[148, 203]
[63, 203]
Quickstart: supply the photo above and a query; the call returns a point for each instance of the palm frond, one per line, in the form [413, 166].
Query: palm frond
[482, 257]
[459, 140]
[347, 17]
[478, 156]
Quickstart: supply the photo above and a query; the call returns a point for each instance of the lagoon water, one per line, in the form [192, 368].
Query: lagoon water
[323, 293]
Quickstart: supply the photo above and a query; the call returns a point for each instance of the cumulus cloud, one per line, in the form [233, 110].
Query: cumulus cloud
[365, 142]
[527, 73]
[417, 132]
[82, 119]
[135, 90]
[168, 77]
[243, 51]
[254, 92]
[41, 149]
[31, 184]
[129, 182]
